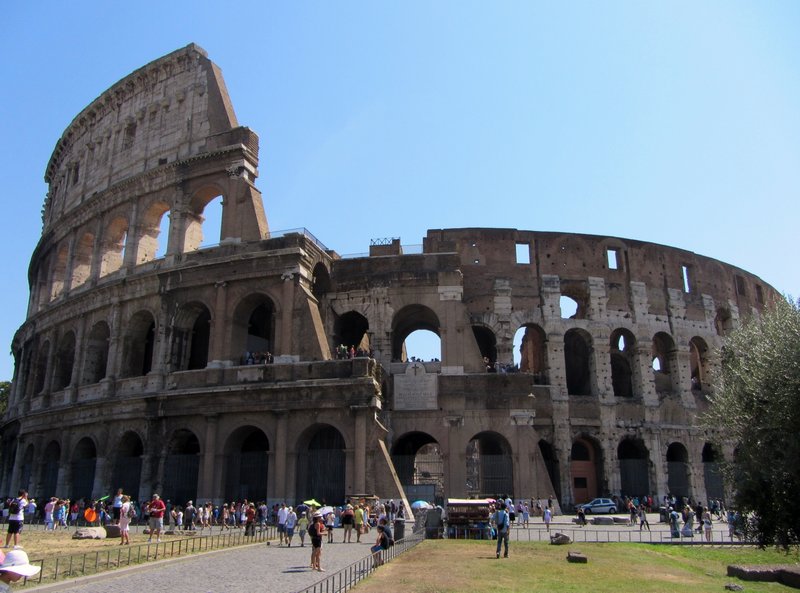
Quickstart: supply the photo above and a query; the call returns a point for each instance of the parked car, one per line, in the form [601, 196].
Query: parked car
[599, 505]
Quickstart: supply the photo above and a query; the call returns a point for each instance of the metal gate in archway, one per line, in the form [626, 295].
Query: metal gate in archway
[180, 477]
[321, 468]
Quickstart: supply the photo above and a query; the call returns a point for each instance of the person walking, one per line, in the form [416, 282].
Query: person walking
[643, 522]
[547, 517]
[16, 517]
[501, 523]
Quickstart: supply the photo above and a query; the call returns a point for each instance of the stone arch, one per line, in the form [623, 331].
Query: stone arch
[112, 246]
[622, 345]
[254, 325]
[39, 371]
[320, 281]
[83, 464]
[487, 344]
[490, 467]
[139, 344]
[578, 294]
[127, 470]
[190, 337]
[147, 244]
[699, 363]
[578, 361]
[712, 472]
[82, 260]
[321, 464]
[585, 468]
[65, 359]
[351, 330]
[419, 462]
[96, 358]
[246, 469]
[551, 464]
[407, 320]
[181, 467]
[665, 364]
[51, 463]
[723, 321]
[196, 230]
[532, 341]
[58, 277]
[634, 467]
[678, 470]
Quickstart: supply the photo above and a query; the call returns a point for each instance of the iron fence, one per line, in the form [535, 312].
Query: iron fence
[79, 565]
[349, 576]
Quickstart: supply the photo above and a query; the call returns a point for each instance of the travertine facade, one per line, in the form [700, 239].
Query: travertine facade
[132, 366]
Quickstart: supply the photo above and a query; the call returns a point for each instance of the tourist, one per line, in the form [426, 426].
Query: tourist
[291, 522]
[707, 524]
[381, 544]
[302, 528]
[15, 517]
[348, 520]
[156, 511]
[14, 566]
[48, 514]
[126, 514]
[316, 530]
[643, 522]
[358, 518]
[282, 512]
[501, 522]
[117, 506]
[330, 522]
[547, 517]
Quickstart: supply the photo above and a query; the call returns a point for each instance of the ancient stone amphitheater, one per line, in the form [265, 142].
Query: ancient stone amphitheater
[159, 355]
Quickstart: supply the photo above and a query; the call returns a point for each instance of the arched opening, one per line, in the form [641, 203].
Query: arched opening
[181, 467]
[84, 458]
[191, 336]
[622, 348]
[350, 333]
[139, 345]
[40, 370]
[578, 362]
[712, 472]
[584, 468]
[128, 464]
[551, 464]
[96, 360]
[112, 248]
[664, 363]
[425, 344]
[530, 352]
[59, 274]
[51, 461]
[678, 470]
[634, 467]
[569, 307]
[65, 358]
[698, 359]
[82, 260]
[203, 221]
[247, 464]
[417, 457]
[321, 465]
[487, 344]
[321, 281]
[490, 469]
[154, 235]
[254, 327]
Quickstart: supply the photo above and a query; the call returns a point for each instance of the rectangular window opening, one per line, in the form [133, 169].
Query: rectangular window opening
[612, 257]
[687, 278]
[759, 294]
[740, 286]
[523, 253]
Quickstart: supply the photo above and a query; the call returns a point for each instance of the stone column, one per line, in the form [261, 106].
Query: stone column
[133, 237]
[99, 486]
[114, 343]
[601, 361]
[219, 351]
[207, 477]
[18, 460]
[360, 453]
[456, 475]
[643, 358]
[64, 481]
[278, 484]
[283, 339]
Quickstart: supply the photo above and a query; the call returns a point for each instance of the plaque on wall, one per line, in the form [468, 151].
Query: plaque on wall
[416, 389]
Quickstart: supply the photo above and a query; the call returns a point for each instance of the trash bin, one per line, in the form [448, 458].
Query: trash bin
[399, 529]
[663, 514]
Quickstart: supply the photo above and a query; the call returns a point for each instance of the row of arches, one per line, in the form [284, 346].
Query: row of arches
[244, 472]
[128, 238]
[419, 460]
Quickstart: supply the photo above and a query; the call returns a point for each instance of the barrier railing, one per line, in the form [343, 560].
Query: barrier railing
[78, 565]
[349, 576]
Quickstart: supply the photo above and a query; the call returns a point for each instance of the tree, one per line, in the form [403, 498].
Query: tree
[756, 406]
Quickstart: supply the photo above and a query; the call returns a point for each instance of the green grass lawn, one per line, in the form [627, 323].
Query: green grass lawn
[466, 566]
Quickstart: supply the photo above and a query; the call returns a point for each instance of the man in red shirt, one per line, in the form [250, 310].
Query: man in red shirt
[156, 511]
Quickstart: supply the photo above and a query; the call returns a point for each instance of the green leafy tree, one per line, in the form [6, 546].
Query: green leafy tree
[756, 406]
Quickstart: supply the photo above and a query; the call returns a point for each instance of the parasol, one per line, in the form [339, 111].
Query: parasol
[325, 511]
[312, 503]
[420, 504]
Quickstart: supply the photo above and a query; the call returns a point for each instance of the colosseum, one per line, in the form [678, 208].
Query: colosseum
[235, 362]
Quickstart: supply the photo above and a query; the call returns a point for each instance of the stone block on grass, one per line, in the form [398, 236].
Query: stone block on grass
[90, 533]
[576, 557]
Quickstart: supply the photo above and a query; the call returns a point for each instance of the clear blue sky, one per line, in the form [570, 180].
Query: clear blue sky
[673, 122]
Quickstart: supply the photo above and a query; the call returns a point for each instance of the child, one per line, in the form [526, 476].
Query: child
[13, 567]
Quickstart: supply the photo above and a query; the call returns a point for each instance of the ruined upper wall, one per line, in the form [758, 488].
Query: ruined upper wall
[162, 112]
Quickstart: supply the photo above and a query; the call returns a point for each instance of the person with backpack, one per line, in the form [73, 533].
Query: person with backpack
[127, 513]
[316, 530]
[501, 522]
[16, 517]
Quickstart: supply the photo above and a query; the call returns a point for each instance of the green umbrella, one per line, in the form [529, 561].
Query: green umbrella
[312, 503]
[102, 498]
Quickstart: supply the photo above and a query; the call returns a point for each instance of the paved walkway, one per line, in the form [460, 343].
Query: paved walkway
[271, 569]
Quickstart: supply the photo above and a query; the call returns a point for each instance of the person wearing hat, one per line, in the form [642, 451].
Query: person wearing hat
[348, 519]
[156, 511]
[13, 567]
[316, 530]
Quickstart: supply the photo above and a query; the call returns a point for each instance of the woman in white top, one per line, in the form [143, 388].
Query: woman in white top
[124, 520]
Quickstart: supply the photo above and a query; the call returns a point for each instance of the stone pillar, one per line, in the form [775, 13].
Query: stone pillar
[114, 343]
[133, 237]
[219, 351]
[611, 475]
[97, 252]
[683, 374]
[64, 481]
[99, 486]
[69, 266]
[643, 357]
[360, 453]
[601, 361]
[18, 460]
[657, 464]
[207, 477]
[556, 366]
[284, 336]
[278, 483]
